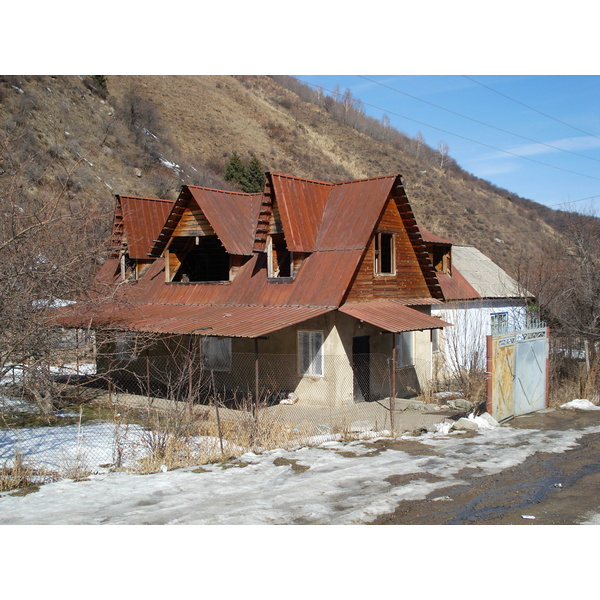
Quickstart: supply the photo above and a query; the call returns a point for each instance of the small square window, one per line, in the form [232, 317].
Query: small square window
[499, 322]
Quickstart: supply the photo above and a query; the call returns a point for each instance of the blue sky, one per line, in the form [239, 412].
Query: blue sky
[537, 136]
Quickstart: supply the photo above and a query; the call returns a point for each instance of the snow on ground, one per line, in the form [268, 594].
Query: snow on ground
[90, 447]
[15, 374]
[345, 483]
[581, 404]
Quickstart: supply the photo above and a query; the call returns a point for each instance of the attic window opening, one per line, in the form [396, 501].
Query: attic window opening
[199, 259]
[279, 258]
[128, 267]
[385, 263]
[441, 259]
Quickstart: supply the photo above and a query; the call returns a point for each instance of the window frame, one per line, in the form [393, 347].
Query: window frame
[405, 349]
[314, 364]
[499, 321]
[126, 345]
[378, 253]
[271, 250]
[435, 341]
[211, 358]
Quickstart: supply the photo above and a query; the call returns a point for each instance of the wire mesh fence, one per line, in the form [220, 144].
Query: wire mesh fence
[147, 413]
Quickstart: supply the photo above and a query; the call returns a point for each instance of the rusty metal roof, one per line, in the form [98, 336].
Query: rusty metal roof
[456, 287]
[137, 222]
[209, 320]
[301, 204]
[392, 316]
[330, 223]
[232, 215]
[352, 213]
[430, 238]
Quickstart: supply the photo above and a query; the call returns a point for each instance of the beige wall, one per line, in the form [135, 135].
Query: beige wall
[278, 362]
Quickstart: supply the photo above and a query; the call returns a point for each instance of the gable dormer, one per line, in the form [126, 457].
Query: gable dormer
[136, 223]
[440, 252]
[291, 213]
[208, 235]
[395, 263]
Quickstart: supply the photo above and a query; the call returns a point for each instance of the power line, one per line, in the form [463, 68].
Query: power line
[389, 87]
[539, 162]
[530, 107]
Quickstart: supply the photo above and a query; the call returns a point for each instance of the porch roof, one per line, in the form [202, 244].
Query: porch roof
[209, 320]
[392, 316]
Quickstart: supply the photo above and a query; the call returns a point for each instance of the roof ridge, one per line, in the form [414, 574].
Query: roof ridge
[208, 189]
[334, 183]
[120, 196]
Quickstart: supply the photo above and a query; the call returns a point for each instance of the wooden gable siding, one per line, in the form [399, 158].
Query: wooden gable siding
[193, 222]
[408, 281]
[275, 225]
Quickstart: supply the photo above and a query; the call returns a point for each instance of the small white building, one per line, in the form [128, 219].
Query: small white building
[478, 294]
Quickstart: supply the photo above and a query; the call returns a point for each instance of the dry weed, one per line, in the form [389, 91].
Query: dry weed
[17, 475]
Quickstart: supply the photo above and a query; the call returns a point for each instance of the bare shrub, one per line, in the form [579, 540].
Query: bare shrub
[17, 474]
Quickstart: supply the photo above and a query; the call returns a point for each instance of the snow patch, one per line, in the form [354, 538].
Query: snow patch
[580, 404]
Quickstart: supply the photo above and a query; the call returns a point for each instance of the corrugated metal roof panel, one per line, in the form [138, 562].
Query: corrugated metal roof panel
[221, 321]
[360, 203]
[233, 216]
[429, 237]
[456, 287]
[301, 205]
[143, 219]
[392, 316]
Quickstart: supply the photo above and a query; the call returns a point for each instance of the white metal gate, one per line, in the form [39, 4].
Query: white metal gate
[517, 371]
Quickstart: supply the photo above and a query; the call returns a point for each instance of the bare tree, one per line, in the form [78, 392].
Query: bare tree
[443, 149]
[565, 279]
[419, 144]
[47, 255]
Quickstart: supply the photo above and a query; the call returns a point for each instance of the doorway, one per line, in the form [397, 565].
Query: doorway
[361, 349]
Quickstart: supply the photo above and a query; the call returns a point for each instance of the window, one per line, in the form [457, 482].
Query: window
[499, 322]
[385, 263]
[310, 353]
[279, 258]
[217, 354]
[125, 345]
[435, 340]
[404, 349]
[440, 257]
[194, 259]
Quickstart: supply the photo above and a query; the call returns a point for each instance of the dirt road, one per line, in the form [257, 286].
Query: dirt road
[555, 489]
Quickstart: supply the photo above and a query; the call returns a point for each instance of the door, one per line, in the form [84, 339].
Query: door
[361, 365]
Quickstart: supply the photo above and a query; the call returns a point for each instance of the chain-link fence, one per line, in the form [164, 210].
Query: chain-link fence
[148, 413]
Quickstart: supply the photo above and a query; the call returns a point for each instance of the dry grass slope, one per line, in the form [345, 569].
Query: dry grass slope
[151, 134]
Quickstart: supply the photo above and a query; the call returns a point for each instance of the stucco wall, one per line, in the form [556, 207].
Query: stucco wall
[278, 363]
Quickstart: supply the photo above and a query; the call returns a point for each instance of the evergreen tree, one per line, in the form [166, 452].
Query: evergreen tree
[234, 170]
[250, 176]
[255, 176]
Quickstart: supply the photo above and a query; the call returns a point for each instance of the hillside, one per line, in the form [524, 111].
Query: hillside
[148, 135]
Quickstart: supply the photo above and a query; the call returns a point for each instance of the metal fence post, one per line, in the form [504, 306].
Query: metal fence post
[393, 383]
[148, 375]
[255, 403]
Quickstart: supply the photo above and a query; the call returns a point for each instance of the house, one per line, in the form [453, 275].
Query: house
[310, 287]
[479, 297]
